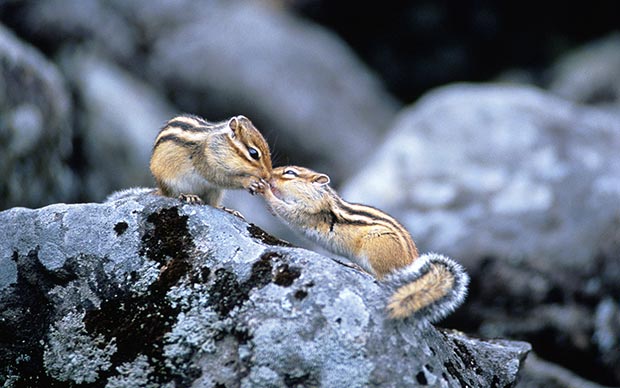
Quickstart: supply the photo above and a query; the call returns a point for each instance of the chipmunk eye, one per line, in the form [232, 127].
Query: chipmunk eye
[253, 153]
[291, 173]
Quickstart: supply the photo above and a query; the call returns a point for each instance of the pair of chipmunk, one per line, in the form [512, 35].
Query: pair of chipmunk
[195, 160]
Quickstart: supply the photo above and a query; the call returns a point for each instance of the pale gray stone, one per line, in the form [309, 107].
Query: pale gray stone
[231, 305]
[538, 373]
[501, 171]
[120, 119]
[35, 127]
[590, 74]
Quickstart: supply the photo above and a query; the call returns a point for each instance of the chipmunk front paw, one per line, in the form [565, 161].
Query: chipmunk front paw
[233, 212]
[191, 199]
[257, 187]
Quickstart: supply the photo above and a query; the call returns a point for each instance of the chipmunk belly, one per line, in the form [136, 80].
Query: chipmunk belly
[333, 241]
[311, 234]
[190, 183]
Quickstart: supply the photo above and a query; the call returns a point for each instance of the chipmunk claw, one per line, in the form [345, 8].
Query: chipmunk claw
[257, 187]
[233, 212]
[351, 265]
[191, 199]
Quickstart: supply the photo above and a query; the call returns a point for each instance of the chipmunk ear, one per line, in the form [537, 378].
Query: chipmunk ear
[320, 179]
[234, 125]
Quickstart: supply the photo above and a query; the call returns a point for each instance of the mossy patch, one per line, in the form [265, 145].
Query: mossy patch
[265, 237]
[454, 372]
[167, 236]
[285, 275]
[120, 228]
[22, 353]
[300, 294]
[227, 292]
[139, 323]
[300, 380]
[466, 357]
[421, 378]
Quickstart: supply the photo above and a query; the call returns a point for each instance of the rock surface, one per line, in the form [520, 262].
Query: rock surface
[119, 117]
[590, 74]
[35, 127]
[538, 373]
[145, 291]
[500, 171]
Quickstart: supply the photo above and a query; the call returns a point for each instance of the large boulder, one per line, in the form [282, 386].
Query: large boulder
[502, 171]
[35, 128]
[146, 291]
[538, 373]
[119, 117]
[590, 74]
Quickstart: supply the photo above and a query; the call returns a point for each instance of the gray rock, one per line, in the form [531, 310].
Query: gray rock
[120, 117]
[71, 22]
[590, 74]
[538, 373]
[145, 291]
[500, 171]
[35, 127]
[571, 318]
[607, 331]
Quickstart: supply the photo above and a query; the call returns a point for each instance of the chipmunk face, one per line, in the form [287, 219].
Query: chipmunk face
[250, 148]
[299, 185]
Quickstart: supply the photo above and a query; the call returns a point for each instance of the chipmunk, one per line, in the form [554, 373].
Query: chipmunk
[194, 160]
[430, 286]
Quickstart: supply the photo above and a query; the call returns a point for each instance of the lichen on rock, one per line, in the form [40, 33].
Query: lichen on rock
[194, 295]
[71, 354]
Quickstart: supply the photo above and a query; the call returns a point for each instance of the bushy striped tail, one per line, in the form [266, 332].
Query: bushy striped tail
[428, 289]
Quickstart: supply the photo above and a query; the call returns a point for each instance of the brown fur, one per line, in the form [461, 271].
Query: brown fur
[194, 157]
[429, 288]
[366, 235]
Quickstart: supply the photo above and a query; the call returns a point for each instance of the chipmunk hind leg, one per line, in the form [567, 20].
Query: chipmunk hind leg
[385, 252]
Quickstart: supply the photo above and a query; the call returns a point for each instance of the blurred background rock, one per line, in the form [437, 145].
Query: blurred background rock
[517, 175]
